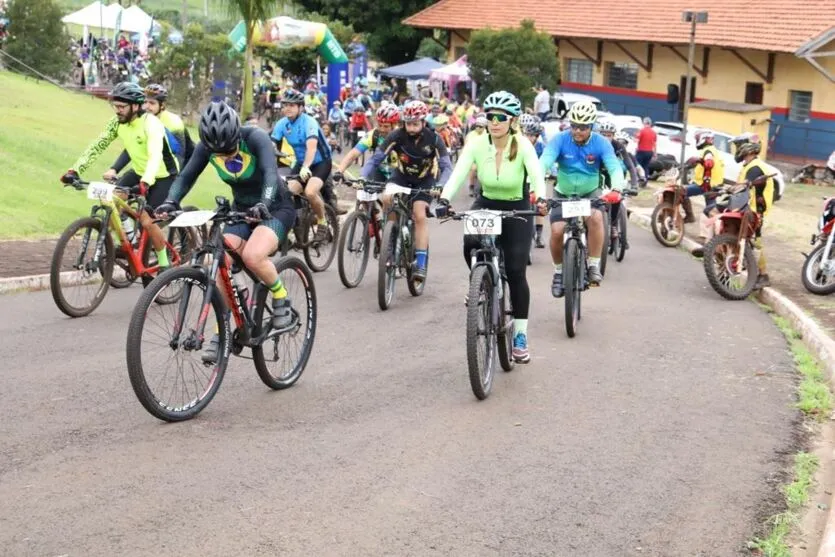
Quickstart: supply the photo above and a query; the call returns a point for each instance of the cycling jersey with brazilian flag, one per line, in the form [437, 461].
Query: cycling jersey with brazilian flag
[505, 183]
[579, 165]
[146, 143]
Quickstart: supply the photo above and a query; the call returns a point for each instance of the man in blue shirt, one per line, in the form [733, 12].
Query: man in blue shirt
[313, 155]
[580, 154]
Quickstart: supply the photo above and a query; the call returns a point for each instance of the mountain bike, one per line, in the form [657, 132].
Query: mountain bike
[92, 238]
[398, 251]
[489, 315]
[179, 330]
[574, 254]
[359, 228]
[318, 255]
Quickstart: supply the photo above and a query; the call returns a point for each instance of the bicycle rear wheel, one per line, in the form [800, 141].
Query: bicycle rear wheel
[79, 285]
[319, 255]
[387, 266]
[572, 275]
[286, 352]
[505, 332]
[481, 332]
[607, 240]
[153, 350]
[354, 247]
[621, 244]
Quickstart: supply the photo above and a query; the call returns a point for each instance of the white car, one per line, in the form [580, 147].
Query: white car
[561, 103]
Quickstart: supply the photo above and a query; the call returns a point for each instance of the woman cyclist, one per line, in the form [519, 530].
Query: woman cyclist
[505, 162]
[243, 158]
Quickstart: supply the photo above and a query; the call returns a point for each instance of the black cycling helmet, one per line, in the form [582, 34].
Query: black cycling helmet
[157, 92]
[128, 92]
[220, 128]
[291, 96]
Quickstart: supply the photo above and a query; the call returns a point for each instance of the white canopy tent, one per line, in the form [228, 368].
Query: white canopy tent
[132, 20]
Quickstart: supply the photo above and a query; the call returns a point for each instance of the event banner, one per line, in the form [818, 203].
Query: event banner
[286, 32]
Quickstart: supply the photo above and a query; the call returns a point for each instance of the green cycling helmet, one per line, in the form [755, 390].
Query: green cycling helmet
[502, 100]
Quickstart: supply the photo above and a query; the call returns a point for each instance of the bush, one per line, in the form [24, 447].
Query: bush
[37, 37]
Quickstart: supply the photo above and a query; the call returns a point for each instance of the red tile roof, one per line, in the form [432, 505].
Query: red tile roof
[771, 25]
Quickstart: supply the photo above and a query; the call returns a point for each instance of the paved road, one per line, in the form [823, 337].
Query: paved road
[656, 431]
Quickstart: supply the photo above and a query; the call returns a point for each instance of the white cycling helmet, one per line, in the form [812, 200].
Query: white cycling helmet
[704, 137]
[622, 137]
[583, 112]
[607, 126]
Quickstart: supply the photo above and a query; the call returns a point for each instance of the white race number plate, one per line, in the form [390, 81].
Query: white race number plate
[100, 190]
[192, 218]
[392, 189]
[483, 222]
[581, 208]
[363, 195]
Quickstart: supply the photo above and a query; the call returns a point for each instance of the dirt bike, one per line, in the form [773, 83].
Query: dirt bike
[818, 272]
[730, 262]
[667, 221]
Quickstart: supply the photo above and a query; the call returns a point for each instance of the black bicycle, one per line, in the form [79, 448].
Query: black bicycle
[489, 314]
[618, 245]
[318, 254]
[363, 224]
[162, 337]
[398, 251]
[575, 270]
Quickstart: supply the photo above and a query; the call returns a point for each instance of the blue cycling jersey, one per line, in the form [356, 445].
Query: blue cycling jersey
[579, 165]
[298, 132]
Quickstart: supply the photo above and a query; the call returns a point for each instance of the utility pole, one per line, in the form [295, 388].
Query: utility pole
[692, 18]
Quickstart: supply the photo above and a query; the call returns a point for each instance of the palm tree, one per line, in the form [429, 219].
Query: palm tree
[251, 11]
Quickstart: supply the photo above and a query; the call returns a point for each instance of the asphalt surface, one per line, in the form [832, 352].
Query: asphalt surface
[658, 430]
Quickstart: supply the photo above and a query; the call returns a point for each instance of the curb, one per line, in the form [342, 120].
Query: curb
[815, 339]
[32, 283]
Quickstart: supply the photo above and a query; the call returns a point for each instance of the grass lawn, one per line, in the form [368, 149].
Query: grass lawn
[42, 132]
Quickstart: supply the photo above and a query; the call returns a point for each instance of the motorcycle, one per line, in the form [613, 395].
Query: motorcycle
[818, 274]
[816, 174]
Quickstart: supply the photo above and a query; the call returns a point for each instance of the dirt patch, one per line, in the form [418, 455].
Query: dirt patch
[25, 257]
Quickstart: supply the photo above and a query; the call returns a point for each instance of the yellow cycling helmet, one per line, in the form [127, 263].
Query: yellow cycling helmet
[583, 112]
[440, 120]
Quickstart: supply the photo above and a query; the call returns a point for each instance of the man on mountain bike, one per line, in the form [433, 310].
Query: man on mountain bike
[505, 162]
[580, 154]
[531, 126]
[609, 131]
[148, 149]
[387, 117]
[313, 155]
[417, 149]
[244, 158]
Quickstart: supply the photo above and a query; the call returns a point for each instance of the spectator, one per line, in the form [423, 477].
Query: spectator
[542, 103]
[647, 144]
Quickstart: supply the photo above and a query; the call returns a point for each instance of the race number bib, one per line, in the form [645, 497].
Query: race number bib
[483, 223]
[100, 191]
[581, 208]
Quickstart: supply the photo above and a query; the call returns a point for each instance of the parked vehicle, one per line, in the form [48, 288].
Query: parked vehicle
[818, 272]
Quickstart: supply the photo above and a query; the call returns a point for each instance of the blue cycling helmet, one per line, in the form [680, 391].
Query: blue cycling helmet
[502, 100]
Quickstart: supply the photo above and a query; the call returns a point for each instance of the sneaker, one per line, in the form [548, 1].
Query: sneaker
[321, 234]
[419, 274]
[595, 278]
[557, 291]
[762, 282]
[520, 348]
[210, 353]
[282, 313]
[539, 242]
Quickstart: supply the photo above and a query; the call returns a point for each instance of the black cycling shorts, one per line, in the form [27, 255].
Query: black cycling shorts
[156, 193]
[321, 169]
[556, 212]
[284, 217]
[400, 179]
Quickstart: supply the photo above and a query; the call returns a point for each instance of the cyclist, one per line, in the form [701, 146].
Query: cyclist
[243, 157]
[146, 143]
[608, 130]
[337, 120]
[417, 149]
[580, 154]
[532, 128]
[313, 156]
[505, 162]
[387, 117]
[479, 127]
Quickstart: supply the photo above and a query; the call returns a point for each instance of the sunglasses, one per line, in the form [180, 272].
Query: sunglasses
[498, 117]
[581, 127]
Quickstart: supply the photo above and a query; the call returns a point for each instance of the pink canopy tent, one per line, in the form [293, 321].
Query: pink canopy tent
[451, 74]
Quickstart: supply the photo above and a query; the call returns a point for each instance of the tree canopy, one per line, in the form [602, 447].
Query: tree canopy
[37, 37]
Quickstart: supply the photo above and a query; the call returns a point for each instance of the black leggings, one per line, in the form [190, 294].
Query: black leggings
[515, 242]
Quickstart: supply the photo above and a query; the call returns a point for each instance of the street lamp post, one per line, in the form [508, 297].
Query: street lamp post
[692, 18]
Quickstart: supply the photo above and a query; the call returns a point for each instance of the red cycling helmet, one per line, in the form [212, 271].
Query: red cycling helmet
[414, 111]
[388, 114]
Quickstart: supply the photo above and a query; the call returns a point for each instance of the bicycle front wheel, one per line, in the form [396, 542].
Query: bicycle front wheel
[174, 372]
[572, 284]
[282, 356]
[387, 269]
[319, 255]
[607, 240]
[621, 244]
[354, 244]
[505, 332]
[78, 277]
[481, 332]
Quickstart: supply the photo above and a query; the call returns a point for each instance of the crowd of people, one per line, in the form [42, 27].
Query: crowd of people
[101, 61]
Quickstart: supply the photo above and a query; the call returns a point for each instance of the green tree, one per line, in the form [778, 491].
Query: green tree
[296, 63]
[387, 38]
[189, 69]
[251, 11]
[514, 60]
[37, 37]
[430, 48]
